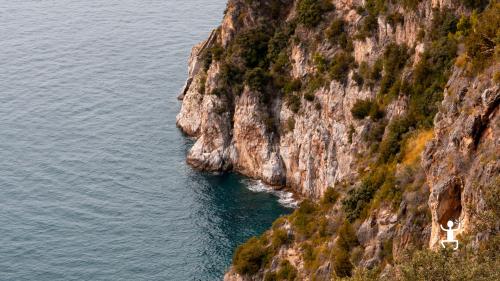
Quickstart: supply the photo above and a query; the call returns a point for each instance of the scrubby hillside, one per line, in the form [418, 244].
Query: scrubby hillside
[383, 115]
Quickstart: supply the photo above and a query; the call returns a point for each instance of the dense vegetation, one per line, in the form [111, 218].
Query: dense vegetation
[364, 108]
[310, 12]
[250, 257]
[482, 42]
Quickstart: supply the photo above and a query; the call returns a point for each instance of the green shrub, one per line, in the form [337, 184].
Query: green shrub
[391, 144]
[368, 26]
[395, 89]
[464, 26]
[320, 62]
[307, 207]
[310, 12]
[340, 65]
[308, 96]
[270, 276]
[317, 106]
[307, 253]
[280, 237]
[315, 82]
[341, 264]
[394, 59]
[351, 133]
[361, 109]
[358, 199]
[203, 81]
[410, 4]
[365, 73]
[421, 35]
[369, 74]
[281, 63]
[484, 41]
[279, 41]
[293, 85]
[395, 19]
[346, 236]
[488, 218]
[290, 124]
[336, 33]
[475, 4]
[217, 52]
[335, 30]
[250, 257]
[376, 69]
[386, 83]
[376, 7]
[252, 47]
[325, 229]
[429, 78]
[388, 192]
[286, 272]
[376, 132]
[346, 240]
[443, 22]
[293, 102]
[360, 10]
[364, 108]
[269, 122]
[496, 77]
[358, 79]
[230, 79]
[256, 79]
[387, 251]
[330, 196]
[206, 58]
[303, 219]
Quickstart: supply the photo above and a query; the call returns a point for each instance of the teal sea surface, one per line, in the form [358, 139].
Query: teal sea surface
[93, 179]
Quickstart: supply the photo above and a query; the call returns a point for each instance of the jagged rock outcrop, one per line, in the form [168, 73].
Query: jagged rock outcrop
[465, 153]
[317, 153]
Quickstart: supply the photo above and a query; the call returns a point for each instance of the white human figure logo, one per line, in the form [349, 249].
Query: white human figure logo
[450, 237]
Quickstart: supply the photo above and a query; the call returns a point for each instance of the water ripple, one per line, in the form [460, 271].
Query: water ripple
[93, 180]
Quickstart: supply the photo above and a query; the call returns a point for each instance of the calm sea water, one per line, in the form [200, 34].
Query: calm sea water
[93, 180]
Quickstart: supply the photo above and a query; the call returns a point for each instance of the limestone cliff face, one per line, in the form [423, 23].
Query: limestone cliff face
[319, 144]
[318, 152]
[465, 152]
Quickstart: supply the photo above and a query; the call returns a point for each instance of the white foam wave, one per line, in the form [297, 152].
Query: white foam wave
[285, 198]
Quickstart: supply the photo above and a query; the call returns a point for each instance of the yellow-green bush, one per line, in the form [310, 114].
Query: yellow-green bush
[484, 40]
[358, 199]
[304, 219]
[287, 272]
[330, 196]
[250, 257]
[346, 240]
[280, 237]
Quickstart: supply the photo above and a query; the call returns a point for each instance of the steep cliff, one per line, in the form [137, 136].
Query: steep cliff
[383, 113]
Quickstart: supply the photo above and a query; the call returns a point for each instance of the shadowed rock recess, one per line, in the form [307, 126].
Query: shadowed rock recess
[382, 115]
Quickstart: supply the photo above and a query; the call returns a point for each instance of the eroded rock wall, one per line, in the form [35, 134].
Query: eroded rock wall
[465, 154]
[318, 152]
[322, 145]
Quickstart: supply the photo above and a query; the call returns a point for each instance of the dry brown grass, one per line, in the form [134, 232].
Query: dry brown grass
[415, 146]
